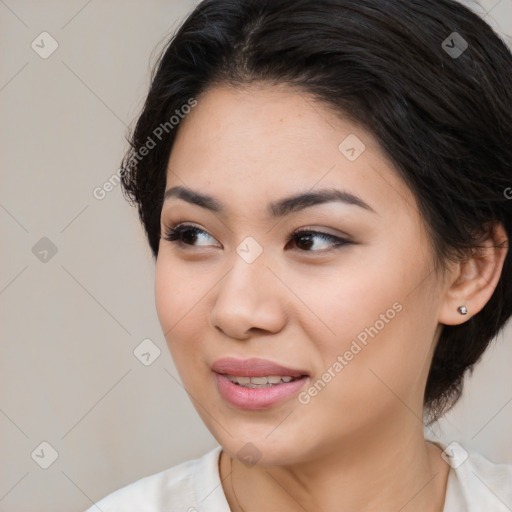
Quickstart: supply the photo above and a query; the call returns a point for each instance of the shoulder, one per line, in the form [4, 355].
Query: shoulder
[475, 483]
[188, 487]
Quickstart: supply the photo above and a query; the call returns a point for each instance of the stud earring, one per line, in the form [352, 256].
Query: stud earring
[463, 310]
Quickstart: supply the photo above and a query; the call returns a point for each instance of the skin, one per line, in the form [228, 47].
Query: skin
[359, 443]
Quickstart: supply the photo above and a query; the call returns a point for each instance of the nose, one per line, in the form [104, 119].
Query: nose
[249, 300]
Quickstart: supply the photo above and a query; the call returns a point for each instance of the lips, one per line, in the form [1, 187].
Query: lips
[254, 367]
[255, 384]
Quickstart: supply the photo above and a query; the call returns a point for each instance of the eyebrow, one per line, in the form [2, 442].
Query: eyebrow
[278, 208]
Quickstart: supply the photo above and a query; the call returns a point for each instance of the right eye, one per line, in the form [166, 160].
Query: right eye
[186, 234]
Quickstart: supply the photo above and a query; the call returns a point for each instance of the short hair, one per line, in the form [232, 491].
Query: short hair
[430, 80]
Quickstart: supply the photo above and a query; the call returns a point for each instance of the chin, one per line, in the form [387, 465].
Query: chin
[258, 448]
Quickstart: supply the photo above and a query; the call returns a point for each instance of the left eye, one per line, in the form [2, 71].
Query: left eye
[305, 240]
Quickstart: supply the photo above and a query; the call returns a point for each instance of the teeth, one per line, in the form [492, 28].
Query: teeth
[260, 382]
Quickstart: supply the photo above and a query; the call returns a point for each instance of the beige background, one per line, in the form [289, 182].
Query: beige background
[70, 323]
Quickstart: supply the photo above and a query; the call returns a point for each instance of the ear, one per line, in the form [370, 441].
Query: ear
[472, 281]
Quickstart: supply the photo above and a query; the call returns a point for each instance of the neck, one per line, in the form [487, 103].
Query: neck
[394, 470]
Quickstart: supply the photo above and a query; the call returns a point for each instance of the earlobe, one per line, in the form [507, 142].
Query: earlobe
[473, 280]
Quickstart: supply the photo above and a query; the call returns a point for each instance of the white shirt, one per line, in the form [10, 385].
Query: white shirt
[475, 484]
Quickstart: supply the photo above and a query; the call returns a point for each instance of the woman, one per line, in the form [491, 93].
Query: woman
[325, 187]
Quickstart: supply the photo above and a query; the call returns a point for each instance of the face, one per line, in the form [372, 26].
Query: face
[337, 288]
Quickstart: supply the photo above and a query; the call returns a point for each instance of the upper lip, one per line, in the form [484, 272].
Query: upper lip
[253, 367]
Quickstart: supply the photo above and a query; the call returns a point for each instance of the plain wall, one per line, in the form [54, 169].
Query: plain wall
[70, 321]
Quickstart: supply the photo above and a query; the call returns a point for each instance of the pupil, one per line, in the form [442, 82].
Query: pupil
[305, 240]
[189, 236]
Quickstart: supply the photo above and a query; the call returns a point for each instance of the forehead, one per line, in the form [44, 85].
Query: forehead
[259, 141]
[280, 116]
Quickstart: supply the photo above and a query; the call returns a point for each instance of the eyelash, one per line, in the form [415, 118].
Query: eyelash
[173, 234]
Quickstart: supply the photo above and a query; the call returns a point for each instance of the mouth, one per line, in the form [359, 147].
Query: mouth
[256, 383]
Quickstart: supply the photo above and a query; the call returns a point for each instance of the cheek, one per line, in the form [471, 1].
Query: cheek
[184, 295]
[380, 322]
[368, 373]
[348, 299]
[176, 291]
[178, 305]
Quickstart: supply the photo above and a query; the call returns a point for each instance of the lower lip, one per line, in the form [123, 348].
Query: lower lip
[256, 398]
